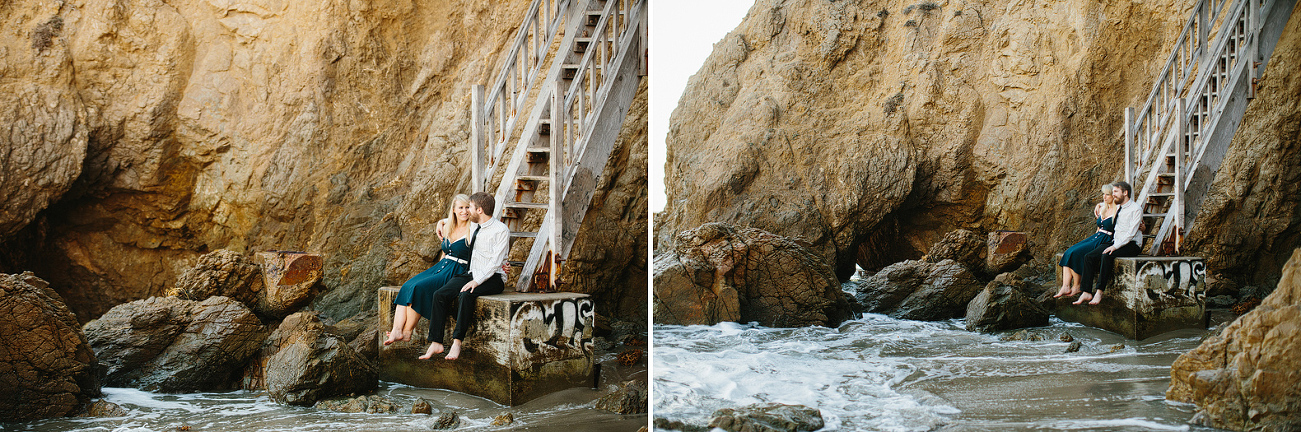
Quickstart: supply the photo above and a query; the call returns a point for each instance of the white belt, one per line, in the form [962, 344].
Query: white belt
[449, 257]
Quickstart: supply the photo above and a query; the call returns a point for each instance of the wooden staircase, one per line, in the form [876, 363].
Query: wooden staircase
[543, 133]
[1175, 144]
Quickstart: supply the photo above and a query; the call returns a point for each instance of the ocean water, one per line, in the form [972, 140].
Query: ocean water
[883, 374]
[566, 411]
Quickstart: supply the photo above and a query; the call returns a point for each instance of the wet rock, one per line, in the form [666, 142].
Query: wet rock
[1023, 335]
[630, 398]
[373, 404]
[48, 367]
[1074, 347]
[919, 290]
[1007, 250]
[1248, 376]
[663, 423]
[1001, 306]
[503, 419]
[289, 279]
[1066, 338]
[449, 420]
[301, 363]
[367, 344]
[167, 344]
[961, 245]
[103, 408]
[767, 418]
[220, 273]
[422, 406]
[1115, 348]
[719, 273]
[1221, 301]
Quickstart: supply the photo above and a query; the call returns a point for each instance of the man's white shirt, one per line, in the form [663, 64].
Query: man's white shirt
[489, 250]
[1127, 219]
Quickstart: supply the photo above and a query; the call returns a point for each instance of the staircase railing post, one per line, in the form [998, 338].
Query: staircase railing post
[1129, 145]
[559, 119]
[476, 138]
[1177, 210]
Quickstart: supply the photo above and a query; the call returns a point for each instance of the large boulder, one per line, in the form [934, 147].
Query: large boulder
[919, 290]
[770, 417]
[220, 273]
[1005, 305]
[301, 363]
[961, 245]
[48, 368]
[1248, 377]
[168, 344]
[720, 273]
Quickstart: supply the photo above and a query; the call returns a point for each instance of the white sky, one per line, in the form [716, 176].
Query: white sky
[682, 34]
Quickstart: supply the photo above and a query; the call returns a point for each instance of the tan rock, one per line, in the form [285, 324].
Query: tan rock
[720, 273]
[1248, 377]
[49, 369]
[289, 279]
[220, 273]
[300, 363]
[961, 245]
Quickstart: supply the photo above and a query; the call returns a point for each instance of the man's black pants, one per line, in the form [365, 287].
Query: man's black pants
[450, 295]
[1103, 265]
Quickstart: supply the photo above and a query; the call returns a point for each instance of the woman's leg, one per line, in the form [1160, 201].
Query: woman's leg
[412, 318]
[1066, 282]
[1075, 283]
[399, 320]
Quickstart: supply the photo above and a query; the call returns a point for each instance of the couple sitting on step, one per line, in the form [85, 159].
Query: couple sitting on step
[473, 265]
[1118, 219]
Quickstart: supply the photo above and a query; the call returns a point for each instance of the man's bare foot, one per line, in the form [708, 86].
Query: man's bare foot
[434, 348]
[1083, 298]
[1096, 298]
[455, 352]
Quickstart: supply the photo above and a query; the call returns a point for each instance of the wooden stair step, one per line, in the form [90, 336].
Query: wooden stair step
[533, 178]
[594, 16]
[1160, 194]
[581, 44]
[539, 150]
[526, 205]
[516, 263]
[544, 127]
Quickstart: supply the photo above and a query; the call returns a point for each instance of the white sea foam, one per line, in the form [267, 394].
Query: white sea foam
[880, 373]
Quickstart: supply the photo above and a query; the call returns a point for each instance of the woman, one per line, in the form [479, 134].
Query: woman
[1073, 259]
[416, 298]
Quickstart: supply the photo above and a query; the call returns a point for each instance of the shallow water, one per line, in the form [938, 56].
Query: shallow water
[566, 411]
[882, 374]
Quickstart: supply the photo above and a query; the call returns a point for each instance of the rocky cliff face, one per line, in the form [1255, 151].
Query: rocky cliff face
[336, 127]
[871, 128]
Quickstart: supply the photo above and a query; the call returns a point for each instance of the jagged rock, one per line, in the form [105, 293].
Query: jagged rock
[919, 290]
[1023, 335]
[503, 419]
[422, 406]
[373, 404]
[1007, 251]
[301, 363]
[630, 398]
[1065, 337]
[43, 128]
[168, 344]
[767, 418]
[220, 273]
[367, 344]
[719, 273]
[1074, 347]
[103, 408]
[1002, 306]
[48, 367]
[1248, 377]
[448, 420]
[663, 423]
[961, 245]
[1115, 348]
[289, 279]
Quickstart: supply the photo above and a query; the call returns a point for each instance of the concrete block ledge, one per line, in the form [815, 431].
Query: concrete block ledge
[1147, 297]
[521, 346]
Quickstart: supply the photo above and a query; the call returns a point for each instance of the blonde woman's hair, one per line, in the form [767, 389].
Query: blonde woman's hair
[1106, 188]
[452, 223]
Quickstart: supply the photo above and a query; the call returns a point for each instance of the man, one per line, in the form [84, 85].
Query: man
[488, 248]
[1127, 241]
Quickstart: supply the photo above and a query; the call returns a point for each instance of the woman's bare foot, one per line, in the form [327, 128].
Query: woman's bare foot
[455, 352]
[389, 339]
[1066, 290]
[1083, 298]
[1096, 298]
[434, 348]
